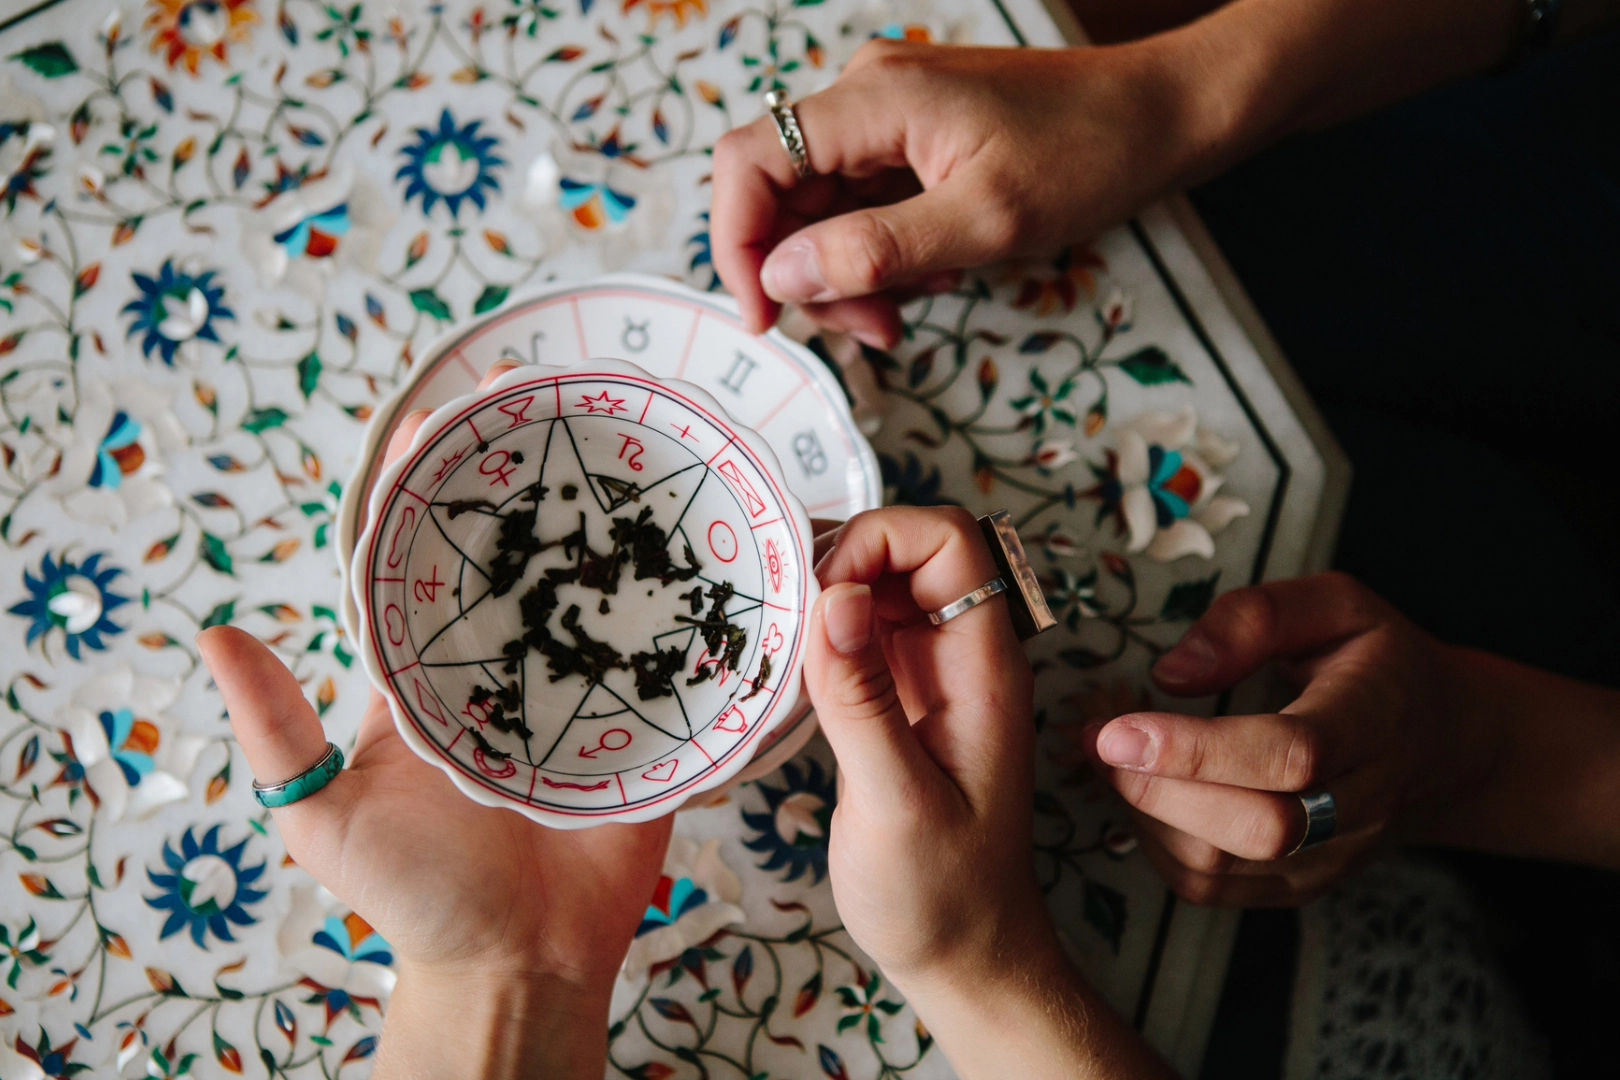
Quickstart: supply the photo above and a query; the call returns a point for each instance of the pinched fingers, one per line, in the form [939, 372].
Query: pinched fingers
[1256, 825]
[941, 549]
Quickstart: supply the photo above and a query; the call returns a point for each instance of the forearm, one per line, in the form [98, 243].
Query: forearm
[492, 1027]
[1551, 788]
[1037, 1020]
[1257, 70]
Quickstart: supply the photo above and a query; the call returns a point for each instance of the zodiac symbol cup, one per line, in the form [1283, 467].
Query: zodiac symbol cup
[584, 592]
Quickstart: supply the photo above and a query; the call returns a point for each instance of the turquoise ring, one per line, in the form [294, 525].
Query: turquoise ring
[304, 784]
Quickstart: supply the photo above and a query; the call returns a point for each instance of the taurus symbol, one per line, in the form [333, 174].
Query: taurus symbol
[635, 336]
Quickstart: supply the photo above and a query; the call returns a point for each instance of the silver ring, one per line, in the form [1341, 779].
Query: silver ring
[1321, 820]
[968, 602]
[788, 130]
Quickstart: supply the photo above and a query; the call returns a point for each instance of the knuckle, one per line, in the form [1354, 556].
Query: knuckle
[868, 694]
[1301, 766]
[883, 53]
[1268, 834]
[1198, 758]
[1005, 224]
[876, 254]
[1140, 790]
[1247, 615]
[1200, 890]
[1207, 859]
[960, 521]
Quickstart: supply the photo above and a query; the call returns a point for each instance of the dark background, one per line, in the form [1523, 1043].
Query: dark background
[1445, 278]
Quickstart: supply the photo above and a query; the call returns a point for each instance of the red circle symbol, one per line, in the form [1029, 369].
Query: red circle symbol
[723, 542]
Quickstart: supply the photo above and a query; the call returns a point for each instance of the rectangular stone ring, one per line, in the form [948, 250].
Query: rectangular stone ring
[968, 602]
[304, 784]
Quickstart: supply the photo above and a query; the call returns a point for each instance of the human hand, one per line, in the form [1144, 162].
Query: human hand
[1376, 723]
[930, 854]
[935, 743]
[931, 159]
[485, 909]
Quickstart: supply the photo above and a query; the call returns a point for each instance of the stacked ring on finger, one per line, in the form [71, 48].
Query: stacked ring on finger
[788, 130]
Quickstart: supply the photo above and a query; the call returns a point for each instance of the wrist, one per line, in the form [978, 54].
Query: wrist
[507, 1025]
[1216, 96]
[1541, 781]
[998, 950]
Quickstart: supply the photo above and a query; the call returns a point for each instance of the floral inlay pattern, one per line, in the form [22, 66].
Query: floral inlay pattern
[228, 228]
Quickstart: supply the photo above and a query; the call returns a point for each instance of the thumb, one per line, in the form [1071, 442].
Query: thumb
[868, 251]
[855, 697]
[278, 731]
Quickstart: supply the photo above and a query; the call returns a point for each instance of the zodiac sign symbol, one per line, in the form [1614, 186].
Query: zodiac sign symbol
[720, 673]
[730, 470]
[741, 368]
[812, 458]
[602, 403]
[496, 468]
[550, 783]
[621, 739]
[735, 717]
[407, 520]
[428, 703]
[775, 564]
[629, 441]
[428, 591]
[447, 464]
[723, 542]
[685, 432]
[517, 411]
[635, 336]
[663, 772]
[772, 642]
[478, 712]
[394, 623]
[509, 353]
[506, 768]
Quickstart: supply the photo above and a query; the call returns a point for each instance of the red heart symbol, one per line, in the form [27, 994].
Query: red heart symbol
[663, 772]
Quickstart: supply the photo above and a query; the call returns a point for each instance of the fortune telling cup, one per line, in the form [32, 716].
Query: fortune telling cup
[584, 592]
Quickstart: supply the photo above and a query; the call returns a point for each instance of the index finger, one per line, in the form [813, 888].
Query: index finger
[941, 549]
[845, 132]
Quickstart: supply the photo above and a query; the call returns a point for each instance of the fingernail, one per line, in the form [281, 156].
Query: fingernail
[793, 274]
[1126, 745]
[1192, 658]
[849, 619]
[872, 341]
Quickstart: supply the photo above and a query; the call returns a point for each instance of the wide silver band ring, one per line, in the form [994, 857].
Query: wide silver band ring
[788, 130]
[968, 602]
[1321, 820]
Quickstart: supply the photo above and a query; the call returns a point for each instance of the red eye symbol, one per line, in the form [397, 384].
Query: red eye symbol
[773, 563]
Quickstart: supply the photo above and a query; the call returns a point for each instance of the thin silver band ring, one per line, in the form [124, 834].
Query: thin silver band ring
[968, 602]
[1321, 820]
[788, 130]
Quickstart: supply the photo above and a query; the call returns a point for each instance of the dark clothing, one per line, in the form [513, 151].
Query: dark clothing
[1445, 278]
